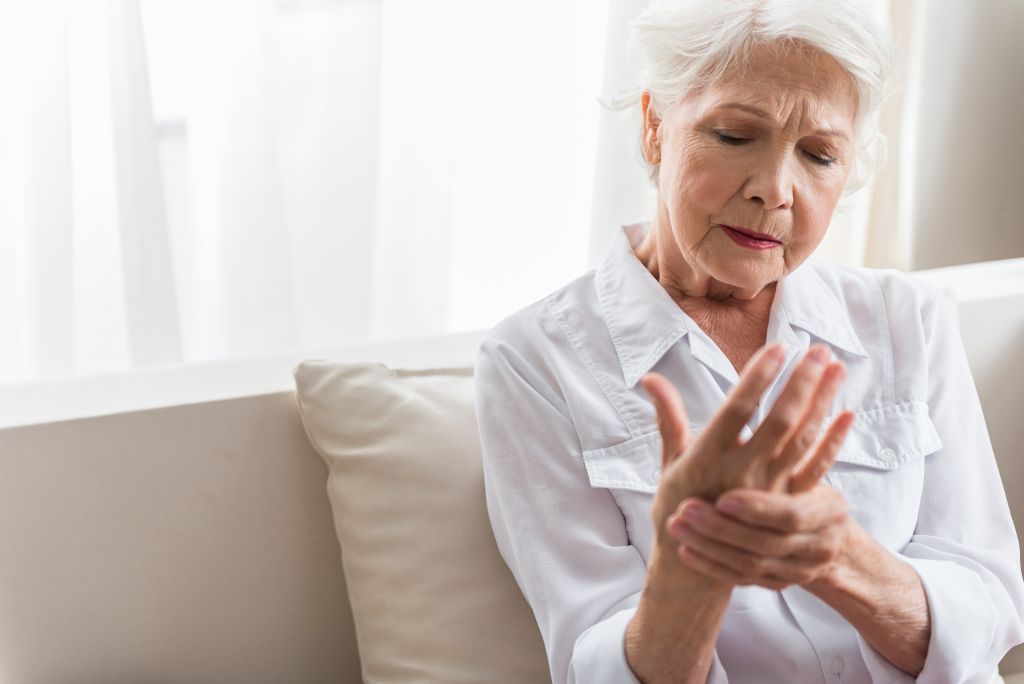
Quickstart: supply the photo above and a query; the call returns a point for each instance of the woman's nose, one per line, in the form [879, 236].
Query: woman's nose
[771, 182]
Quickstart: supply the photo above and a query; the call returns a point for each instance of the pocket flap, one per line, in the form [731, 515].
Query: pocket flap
[634, 464]
[888, 437]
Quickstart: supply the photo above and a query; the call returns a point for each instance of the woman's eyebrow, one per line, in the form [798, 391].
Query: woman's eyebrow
[750, 109]
[760, 113]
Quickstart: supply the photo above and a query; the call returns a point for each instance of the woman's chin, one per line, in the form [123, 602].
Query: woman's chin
[746, 277]
[747, 270]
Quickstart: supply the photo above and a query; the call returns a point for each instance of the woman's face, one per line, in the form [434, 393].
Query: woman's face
[751, 168]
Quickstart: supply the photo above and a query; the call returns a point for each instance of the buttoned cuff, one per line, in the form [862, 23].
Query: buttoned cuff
[599, 656]
[963, 623]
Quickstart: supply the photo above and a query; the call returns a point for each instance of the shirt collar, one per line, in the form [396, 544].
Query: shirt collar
[810, 302]
[644, 321]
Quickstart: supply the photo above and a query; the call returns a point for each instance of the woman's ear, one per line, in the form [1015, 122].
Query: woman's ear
[649, 140]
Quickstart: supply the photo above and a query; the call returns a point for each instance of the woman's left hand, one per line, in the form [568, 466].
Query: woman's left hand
[774, 540]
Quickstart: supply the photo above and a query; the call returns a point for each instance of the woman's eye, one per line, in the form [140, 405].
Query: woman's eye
[729, 139]
[821, 161]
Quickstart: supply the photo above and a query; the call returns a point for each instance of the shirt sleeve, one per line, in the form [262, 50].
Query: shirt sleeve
[564, 540]
[964, 546]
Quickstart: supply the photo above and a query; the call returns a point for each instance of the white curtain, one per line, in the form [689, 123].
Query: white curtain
[76, 115]
[188, 180]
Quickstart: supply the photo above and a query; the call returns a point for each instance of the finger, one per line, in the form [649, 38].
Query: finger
[800, 444]
[790, 408]
[696, 517]
[717, 571]
[810, 473]
[704, 519]
[673, 423]
[787, 513]
[748, 566]
[724, 428]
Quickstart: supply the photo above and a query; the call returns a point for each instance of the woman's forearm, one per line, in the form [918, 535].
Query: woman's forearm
[882, 598]
[672, 636]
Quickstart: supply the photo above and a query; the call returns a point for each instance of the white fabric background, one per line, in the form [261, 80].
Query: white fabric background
[193, 180]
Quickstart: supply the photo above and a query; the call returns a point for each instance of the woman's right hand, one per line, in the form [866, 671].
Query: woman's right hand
[778, 457]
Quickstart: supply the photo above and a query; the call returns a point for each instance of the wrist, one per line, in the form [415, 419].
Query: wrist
[882, 597]
[847, 576]
[676, 622]
[667, 574]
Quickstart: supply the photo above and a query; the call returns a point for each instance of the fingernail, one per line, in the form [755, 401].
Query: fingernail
[837, 371]
[818, 354]
[729, 505]
[691, 514]
[677, 529]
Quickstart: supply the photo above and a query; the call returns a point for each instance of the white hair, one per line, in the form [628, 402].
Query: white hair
[684, 45]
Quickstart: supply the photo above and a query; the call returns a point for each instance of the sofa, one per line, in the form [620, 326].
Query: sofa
[170, 525]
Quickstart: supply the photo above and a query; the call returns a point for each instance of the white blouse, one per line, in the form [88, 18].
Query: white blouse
[572, 453]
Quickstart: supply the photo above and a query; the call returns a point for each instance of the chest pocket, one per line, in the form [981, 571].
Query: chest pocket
[890, 437]
[880, 469]
[630, 471]
[633, 465]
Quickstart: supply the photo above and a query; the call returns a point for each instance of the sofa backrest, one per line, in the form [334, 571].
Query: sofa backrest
[181, 543]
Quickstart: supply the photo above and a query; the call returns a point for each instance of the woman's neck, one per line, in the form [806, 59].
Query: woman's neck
[738, 326]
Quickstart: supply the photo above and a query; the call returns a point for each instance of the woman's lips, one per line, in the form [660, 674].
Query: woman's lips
[750, 240]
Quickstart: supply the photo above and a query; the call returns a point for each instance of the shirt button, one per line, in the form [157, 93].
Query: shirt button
[656, 473]
[886, 454]
[835, 666]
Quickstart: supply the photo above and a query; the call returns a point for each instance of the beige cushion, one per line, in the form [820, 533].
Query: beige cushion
[431, 597]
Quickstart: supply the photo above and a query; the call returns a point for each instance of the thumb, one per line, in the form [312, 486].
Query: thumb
[672, 421]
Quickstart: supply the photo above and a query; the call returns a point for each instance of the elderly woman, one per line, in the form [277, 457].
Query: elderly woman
[821, 503]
